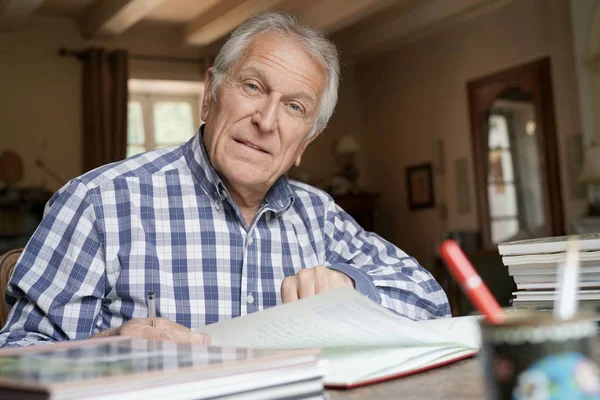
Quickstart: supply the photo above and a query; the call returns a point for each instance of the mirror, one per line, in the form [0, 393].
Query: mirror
[515, 154]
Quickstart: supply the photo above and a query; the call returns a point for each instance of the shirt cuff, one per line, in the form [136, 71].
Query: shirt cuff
[362, 282]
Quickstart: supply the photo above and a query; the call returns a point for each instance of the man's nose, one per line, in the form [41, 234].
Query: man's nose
[267, 114]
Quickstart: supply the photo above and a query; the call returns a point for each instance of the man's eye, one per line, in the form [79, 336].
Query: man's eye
[295, 107]
[252, 86]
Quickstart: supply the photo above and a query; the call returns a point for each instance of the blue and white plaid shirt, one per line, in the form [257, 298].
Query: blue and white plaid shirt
[163, 221]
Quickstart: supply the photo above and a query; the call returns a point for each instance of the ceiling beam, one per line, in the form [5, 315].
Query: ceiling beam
[333, 15]
[112, 17]
[204, 31]
[429, 18]
[12, 12]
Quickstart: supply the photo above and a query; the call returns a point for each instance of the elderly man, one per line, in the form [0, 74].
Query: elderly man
[212, 227]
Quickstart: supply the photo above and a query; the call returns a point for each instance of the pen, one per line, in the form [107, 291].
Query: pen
[151, 307]
[565, 302]
[471, 283]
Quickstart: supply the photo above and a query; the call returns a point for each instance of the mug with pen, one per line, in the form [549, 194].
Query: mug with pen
[532, 354]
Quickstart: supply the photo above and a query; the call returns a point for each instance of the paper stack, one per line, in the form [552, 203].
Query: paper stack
[534, 266]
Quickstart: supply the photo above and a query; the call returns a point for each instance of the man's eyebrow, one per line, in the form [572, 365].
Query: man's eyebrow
[261, 75]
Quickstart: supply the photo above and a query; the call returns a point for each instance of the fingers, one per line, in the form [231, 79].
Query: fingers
[171, 335]
[310, 281]
[306, 283]
[322, 281]
[289, 289]
[164, 330]
[339, 280]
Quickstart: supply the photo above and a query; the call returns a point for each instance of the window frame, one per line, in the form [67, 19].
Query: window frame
[148, 92]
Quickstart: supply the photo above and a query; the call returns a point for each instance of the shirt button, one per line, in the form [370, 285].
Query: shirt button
[250, 240]
[250, 299]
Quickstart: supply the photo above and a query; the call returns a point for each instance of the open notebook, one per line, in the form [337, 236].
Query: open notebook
[362, 341]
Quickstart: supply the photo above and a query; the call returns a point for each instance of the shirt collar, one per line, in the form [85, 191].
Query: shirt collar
[279, 198]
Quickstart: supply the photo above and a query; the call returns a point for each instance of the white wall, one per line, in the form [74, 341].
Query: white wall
[582, 12]
[40, 92]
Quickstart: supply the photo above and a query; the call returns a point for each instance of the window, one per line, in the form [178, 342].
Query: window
[161, 114]
[502, 196]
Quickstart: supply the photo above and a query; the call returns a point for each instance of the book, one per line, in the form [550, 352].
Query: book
[586, 258]
[361, 341]
[542, 269]
[124, 368]
[550, 295]
[556, 244]
[547, 305]
[554, 285]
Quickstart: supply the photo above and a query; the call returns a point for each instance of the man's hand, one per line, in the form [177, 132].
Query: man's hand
[310, 281]
[160, 329]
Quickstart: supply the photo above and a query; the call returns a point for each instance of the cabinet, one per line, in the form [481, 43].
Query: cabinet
[361, 207]
[21, 211]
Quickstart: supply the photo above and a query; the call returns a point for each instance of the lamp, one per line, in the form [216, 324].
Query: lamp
[345, 148]
[347, 145]
[591, 176]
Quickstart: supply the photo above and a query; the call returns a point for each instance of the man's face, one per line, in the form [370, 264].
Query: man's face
[256, 129]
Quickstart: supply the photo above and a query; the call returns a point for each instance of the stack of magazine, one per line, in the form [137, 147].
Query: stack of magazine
[534, 266]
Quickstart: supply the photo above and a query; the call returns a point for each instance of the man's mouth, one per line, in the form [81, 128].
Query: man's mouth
[251, 145]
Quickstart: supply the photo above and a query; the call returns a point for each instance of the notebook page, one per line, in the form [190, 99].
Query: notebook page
[340, 318]
[459, 329]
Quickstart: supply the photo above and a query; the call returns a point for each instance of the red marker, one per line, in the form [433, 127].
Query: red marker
[471, 282]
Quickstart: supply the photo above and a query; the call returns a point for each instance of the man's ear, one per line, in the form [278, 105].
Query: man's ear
[207, 97]
[303, 147]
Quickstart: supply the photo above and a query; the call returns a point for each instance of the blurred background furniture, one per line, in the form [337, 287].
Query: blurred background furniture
[21, 211]
[21, 208]
[7, 264]
[361, 207]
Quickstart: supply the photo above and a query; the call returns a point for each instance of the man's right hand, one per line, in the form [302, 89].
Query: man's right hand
[160, 329]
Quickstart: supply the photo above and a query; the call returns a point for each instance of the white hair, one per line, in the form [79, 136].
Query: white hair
[313, 40]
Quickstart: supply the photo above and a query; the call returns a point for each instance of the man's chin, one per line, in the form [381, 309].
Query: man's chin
[248, 177]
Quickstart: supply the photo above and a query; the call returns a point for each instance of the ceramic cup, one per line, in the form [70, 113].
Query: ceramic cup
[534, 356]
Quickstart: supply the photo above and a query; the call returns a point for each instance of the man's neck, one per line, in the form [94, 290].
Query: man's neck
[248, 201]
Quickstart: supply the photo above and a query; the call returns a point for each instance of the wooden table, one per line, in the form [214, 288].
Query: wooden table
[462, 380]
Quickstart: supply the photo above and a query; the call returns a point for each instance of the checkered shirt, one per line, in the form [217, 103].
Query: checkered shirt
[163, 221]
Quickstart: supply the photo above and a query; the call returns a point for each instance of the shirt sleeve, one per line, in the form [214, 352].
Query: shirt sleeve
[58, 282]
[380, 270]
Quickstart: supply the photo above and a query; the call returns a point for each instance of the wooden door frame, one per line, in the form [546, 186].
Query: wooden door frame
[535, 75]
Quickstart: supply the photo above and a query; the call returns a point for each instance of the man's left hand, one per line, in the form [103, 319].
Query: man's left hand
[310, 281]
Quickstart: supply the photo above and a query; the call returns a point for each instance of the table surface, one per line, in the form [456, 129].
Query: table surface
[461, 380]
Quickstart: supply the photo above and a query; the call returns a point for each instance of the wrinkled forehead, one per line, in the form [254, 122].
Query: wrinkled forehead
[282, 50]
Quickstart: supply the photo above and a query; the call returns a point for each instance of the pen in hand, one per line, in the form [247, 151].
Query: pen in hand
[151, 308]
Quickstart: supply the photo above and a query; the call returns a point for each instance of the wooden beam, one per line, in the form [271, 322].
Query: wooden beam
[112, 17]
[12, 12]
[204, 31]
[333, 15]
[429, 18]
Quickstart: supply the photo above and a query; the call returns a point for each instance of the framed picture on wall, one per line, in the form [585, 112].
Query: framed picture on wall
[419, 186]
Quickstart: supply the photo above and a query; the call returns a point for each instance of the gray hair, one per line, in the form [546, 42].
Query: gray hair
[313, 40]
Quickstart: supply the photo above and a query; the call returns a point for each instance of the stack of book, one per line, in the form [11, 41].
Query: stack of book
[123, 368]
[534, 266]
